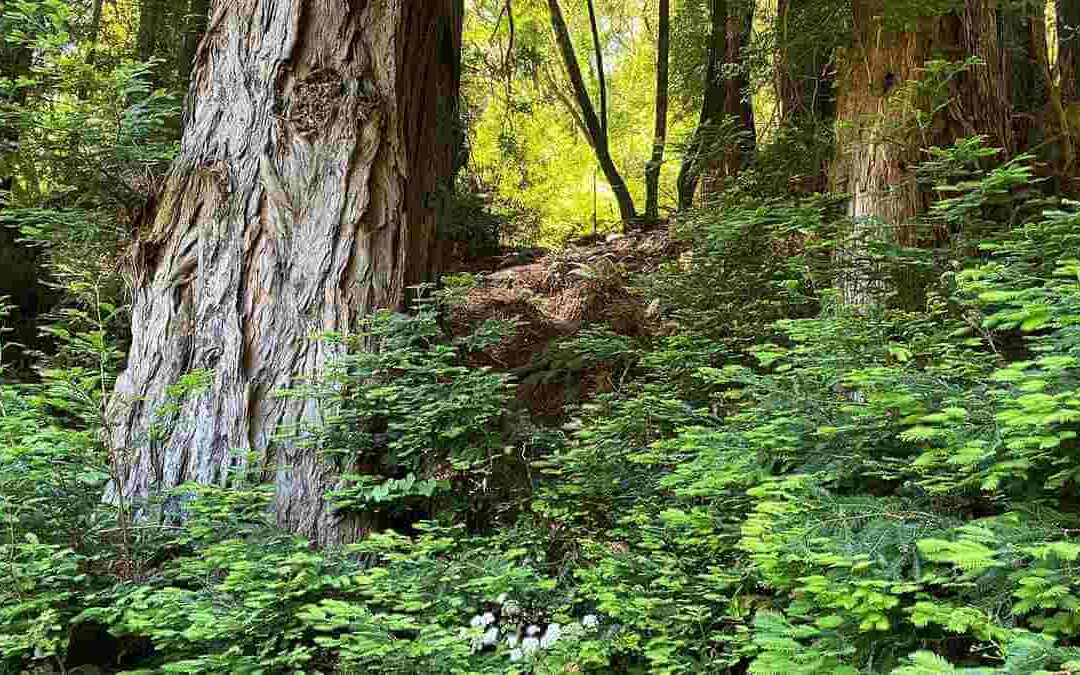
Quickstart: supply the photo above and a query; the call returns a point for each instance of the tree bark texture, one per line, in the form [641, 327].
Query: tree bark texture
[594, 124]
[984, 105]
[304, 198]
[879, 139]
[656, 162]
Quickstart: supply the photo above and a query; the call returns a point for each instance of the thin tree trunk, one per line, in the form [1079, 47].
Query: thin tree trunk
[1057, 106]
[1068, 30]
[588, 113]
[150, 15]
[304, 198]
[804, 86]
[652, 170]
[791, 88]
[95, 30]
[548, 84]
[601, 75]
[711, 108]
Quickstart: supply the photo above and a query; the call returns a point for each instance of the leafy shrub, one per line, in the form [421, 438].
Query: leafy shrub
[812, 487]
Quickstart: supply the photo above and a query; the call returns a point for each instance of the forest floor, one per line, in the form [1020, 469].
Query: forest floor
[553, 296]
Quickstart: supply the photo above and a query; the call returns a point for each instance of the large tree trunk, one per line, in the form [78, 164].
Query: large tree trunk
[984, 106]
[880, 139]
[656, 162]
[317, 140]
[725, 98]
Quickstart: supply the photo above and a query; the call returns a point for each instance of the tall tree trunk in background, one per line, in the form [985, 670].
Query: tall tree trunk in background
[656, 162]
[1068, 30]
[302, 200]
[983, 106]
[712, 107]
[597, 131]
[194, 28]
[804, 86]
[151, 14]
[879, 141]
[601, 74]
[725, 98]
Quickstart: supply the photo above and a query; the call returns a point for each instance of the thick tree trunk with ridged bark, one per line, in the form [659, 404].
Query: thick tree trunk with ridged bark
[318, 138]
[879, 137]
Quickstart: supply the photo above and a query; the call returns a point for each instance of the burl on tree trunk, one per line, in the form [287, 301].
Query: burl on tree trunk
[318, 139]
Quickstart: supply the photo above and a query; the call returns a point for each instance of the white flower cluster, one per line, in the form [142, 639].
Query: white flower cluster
[527, 641]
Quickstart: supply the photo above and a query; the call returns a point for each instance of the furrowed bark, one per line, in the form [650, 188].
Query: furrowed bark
[303, 199]
[984, 104]
[878, 139]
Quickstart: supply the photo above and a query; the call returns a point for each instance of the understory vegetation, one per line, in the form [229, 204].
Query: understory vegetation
[782, 482]
[750, 474]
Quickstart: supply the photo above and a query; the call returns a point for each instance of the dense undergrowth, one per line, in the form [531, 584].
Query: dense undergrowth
[781, 483]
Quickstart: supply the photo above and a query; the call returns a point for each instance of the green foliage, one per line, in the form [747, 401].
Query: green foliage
[748, 265]
[775, 482]
[408, 421]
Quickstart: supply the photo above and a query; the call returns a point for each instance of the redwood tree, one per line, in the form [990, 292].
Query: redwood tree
[880, 137]
[317, 139]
